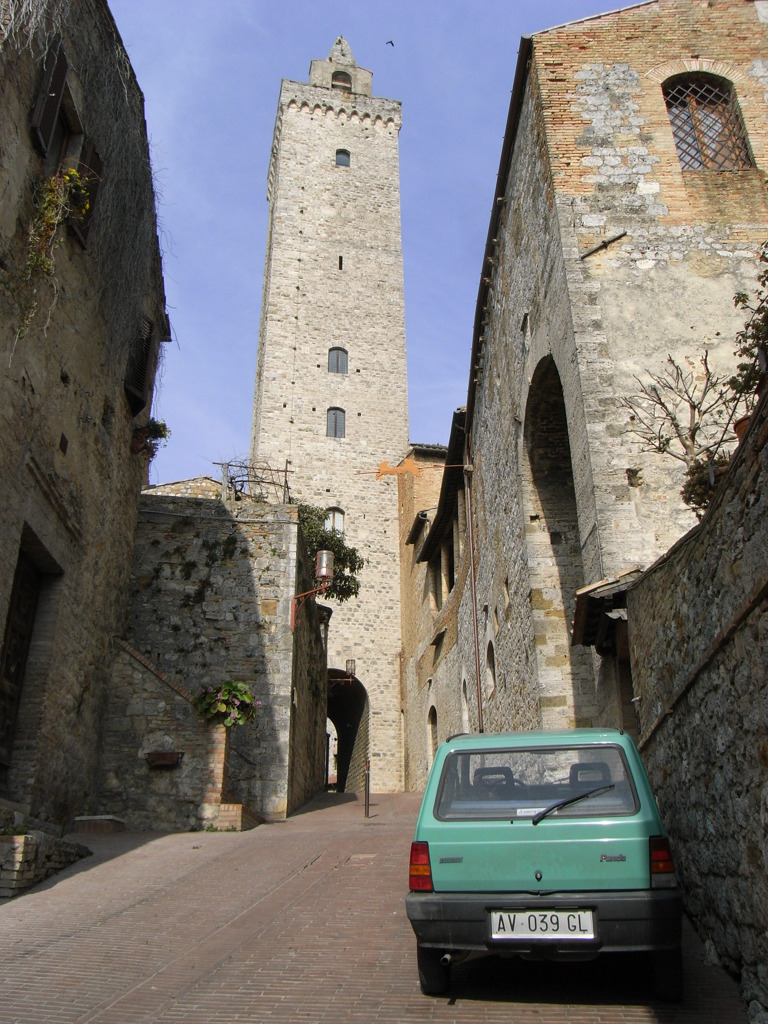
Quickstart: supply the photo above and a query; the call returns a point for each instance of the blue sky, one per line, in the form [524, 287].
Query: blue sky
[210, 73]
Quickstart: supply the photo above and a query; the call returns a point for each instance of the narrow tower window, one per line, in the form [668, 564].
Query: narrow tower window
[337, 360]
[342, 158]
[334, 520]
[490, 670]
[335, 422]
[706, 123]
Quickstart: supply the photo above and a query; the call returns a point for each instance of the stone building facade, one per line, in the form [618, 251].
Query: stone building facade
[211, 589]
[331, 396]
[607, 250]
[82, 313]
[630, 209]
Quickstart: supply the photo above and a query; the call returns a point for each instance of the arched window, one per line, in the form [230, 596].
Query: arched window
[342, 158]
[337, 360]
[490, 670]
[335, 422]
[334, 520]
[341, 80]
[706, 123]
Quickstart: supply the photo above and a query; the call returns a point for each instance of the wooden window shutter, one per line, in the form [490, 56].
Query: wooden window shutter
[89, 168]
[136, 377]
[48, 102]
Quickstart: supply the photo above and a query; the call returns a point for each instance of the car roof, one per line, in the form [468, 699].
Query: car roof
[542, 738]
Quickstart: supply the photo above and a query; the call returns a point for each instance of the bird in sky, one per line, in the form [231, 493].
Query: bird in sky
[389, 43]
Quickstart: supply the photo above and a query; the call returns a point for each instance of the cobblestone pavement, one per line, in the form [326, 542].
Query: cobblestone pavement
[300, 921]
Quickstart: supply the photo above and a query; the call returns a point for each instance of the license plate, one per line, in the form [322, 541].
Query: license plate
[550, 925]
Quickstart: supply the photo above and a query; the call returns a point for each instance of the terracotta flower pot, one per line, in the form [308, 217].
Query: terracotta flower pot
[740, 426]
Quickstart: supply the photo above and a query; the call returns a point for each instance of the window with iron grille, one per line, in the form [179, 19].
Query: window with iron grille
[337, 360]
[335, 422]
[706, 123]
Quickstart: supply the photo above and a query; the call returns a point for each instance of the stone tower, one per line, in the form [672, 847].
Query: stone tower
[331, 391]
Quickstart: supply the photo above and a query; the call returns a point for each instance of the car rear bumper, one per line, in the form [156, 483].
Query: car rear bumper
[624, 921]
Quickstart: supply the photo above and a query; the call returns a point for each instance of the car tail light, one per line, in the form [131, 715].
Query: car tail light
[662, 865]
[420, 876]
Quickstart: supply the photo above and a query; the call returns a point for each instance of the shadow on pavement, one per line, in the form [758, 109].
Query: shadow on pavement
[621, 979]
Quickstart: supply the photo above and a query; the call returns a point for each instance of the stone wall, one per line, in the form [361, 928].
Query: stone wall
[69, 480]
[210, 600]
[148, 715]
[698, 628]
[28, 859]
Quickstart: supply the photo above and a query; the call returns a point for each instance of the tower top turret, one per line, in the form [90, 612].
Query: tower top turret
[340, 71]
[341, 53]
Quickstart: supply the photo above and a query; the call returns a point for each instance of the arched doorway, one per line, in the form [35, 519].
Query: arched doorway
[331, 755]
[348, 709]
[565, 674]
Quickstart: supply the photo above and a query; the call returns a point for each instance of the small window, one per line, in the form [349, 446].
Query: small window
[436, 582]
[89, 168]
[337, 360]
[137, 376]
[342, 158]
[334, 520]
[706, 123]
[45, 117]
[59, 136]
[342, 81]
[335, 422]
[431, 735]
[490, 670]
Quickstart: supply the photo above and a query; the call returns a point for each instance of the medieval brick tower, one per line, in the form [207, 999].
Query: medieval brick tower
[331, 392]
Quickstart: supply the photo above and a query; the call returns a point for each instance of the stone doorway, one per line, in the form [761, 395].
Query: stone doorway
[15, 650]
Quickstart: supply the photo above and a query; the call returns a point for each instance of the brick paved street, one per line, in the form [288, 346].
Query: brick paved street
[300, 921]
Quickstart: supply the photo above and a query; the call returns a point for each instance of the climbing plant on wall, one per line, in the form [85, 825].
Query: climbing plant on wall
[348, 562]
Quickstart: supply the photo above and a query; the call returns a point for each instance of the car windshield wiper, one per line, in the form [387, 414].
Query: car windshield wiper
[569, 800]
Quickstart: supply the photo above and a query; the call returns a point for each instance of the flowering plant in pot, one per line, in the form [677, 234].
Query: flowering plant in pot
[228, 703]
[150, 437]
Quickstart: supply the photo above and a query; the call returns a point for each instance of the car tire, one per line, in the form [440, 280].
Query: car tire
[668, 975]
[434, 975]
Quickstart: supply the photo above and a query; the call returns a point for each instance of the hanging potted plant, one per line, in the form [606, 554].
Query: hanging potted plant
[229, 703]
[149, 438]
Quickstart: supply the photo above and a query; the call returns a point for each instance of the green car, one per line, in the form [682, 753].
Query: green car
[544, 845]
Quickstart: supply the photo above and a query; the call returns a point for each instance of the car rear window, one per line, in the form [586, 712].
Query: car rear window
[527, 783]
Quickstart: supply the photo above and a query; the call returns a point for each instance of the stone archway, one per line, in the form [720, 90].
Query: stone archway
[349, 710]
[565, 673]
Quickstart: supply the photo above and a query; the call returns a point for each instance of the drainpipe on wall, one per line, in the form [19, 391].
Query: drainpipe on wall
[468, 471]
